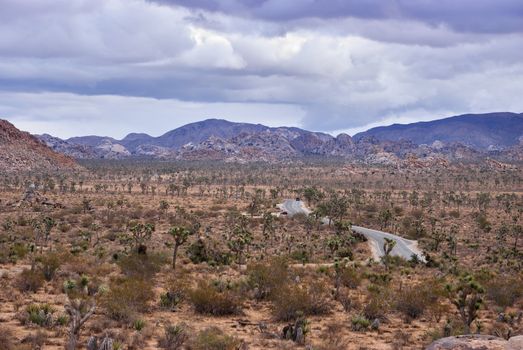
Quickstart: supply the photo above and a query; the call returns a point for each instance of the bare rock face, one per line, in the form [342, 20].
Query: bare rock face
[470, 342]
[515, 343]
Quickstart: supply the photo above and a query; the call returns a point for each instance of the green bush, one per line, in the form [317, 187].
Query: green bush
[214, 339]
[349, 277]
[413, 301]
[505, 290]
[378, 303]
[39, 314]
[141, 266]
[360, 323]
[208, 251]
[139, 324]
[50, 262]
[293, 301]
[177, 287]
[19, 251]
[30, 280]
[174, 337]
[267, 278]
[208, 298]
[126, 298]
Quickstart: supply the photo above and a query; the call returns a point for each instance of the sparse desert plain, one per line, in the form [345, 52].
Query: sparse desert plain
[197, 255]
[261, 175]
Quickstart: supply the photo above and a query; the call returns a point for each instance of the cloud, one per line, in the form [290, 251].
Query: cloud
[325, 65]
[483, 16]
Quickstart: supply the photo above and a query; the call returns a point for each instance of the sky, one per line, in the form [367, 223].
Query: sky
[111, 67]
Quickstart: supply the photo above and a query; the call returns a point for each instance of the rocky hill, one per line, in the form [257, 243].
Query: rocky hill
[22, 152]
[422, 144]
[492, 131]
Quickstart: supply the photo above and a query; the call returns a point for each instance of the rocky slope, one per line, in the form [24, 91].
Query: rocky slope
[492, 131]
[22, 152]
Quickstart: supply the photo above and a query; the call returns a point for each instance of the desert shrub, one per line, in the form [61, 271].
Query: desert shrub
[331, 339]
[38, 314]
[126, 298]
[177, 288]
[210, 298]
[267, 278]
[18, 250]
[141, 266]
[139, 325]
[360, 323]
[376, 308]
[208, 251]
[62, 320]
[174, 337]
[30, 280]
[505, 290]
[348, 276]
[293, 301]
[4, 255]
[50, 262]
[454, 214]
[64, 227]
[382, 279]
[35, 340]
[11, 253]
[214, 339]
[378, 304]
[413, 301]
[301, 255]
[197, 252]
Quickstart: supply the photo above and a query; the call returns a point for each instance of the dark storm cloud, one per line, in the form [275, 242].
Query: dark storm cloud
[325, 65]
[484, 16]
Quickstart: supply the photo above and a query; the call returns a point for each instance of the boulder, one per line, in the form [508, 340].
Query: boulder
[515, 343]
[469, 342]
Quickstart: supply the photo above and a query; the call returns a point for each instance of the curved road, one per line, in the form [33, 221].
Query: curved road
[404, 248]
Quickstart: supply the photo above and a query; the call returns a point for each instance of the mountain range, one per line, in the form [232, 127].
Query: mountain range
[461, 138]
[481, 131]
[465, 138]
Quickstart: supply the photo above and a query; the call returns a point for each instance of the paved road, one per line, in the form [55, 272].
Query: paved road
[404, 247]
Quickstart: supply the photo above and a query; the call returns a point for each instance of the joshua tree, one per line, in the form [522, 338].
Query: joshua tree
[312, 195]
[255, 204]
[240, 239]
[86, 205]
[181, 235]
[268, 225]
[49, 223]
[466, 295]
[388, 245]
[80, 308]
[385, 217]
[140, 234]
[164, 206]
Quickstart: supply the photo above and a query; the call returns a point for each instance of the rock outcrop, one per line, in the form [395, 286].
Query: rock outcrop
[477, 342]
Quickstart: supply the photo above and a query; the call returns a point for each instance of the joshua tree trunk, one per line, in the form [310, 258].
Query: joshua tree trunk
[76, 323]
[175, 253]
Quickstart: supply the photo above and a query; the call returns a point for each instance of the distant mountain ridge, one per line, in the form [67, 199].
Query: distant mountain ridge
[462, 138]
[190, 133]
[494, 130]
